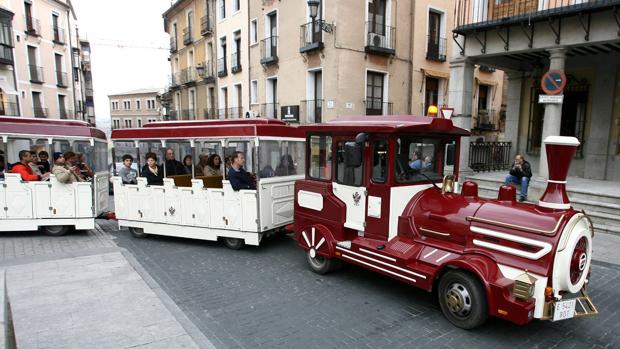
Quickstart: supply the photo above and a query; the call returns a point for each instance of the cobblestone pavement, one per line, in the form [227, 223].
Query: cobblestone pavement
[267, 297]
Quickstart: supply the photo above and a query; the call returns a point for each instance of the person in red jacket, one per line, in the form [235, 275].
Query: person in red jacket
[24, 169]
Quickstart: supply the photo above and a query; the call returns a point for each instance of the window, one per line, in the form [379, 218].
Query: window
[253, 32]
[416, 160]
[436, 44]
[128, 123]
[280, 158]
[222, 11]
[374, 93]
[116, 123]
[137, 104]
[236, 5]
[320, 157]
[245, 148]
[431, 94]
[254, 92]
[376, 16]
[127, 105]
[379, 161]
[139, 122]
[347, 175]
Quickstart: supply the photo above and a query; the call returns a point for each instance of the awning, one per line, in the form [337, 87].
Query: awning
[6, 86]
[436, 73]
[486, 82]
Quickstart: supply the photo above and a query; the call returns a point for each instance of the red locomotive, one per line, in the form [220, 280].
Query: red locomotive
[379, 192]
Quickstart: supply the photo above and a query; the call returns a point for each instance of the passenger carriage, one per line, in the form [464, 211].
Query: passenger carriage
[367, 200]
[52, 206]
[208, 208]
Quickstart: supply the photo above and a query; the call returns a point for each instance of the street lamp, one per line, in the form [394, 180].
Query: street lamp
[313, 5]
[200, 69]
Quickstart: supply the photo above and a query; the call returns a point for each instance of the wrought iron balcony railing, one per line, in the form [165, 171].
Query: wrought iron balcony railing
[9, 109]
[36, 74]
[380, 38]
[204, 70]
[311, 36]
[173, 45]
[59, 35]
[62, 79]
[376, 106]
[187, 36]
[66, 113]
[230, 113]
[39, 112]
[210, 113]
[436, 48]
[312, 110]
[6, 54]
[222, 70]
[269, 50]
[269, 110]
[486, 120]
[235, 62]
[188, 75]
[33, 26]
[188, 114]
[206, 25]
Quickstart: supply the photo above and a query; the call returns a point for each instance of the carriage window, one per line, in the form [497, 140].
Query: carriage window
[182, 151]
[345, 174]
[122, 148]
[101, 156]
[245, 148]
[416, 160]
[320, 157]
[280, 158]
[209, 148]
[379, 161]
[151, 147]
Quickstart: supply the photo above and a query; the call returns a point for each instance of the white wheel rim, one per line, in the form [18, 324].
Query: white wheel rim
[312, 252]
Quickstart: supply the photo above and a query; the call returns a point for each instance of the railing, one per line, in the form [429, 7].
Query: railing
[235, 62]
[221, 67]
[89, 92]
[313, 110]
[210, 113]
[230, 113]
[62, 79]
[173, 44]
[187, 36]
[376, 106]
[33, 26]
[9, 109]
[486, 120]
[380, 38]
[188, 114]
[188, 75]
[436, 48]
[6, 54]
[175, 79]
[311, 36]
[36, 74]
[206, 24]
[39, 112]
[207, 71]
[172, 115]
[269, 110]
[269, 50]
[59, 35]
[66, 113]
[489, 156]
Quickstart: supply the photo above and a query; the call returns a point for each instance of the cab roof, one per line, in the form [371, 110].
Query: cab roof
[253, 121]
[387, 124]
[48, 127]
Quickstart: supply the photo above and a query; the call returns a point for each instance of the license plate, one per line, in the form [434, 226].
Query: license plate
[564, 310]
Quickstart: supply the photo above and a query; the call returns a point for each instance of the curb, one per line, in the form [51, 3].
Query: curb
[4, 311]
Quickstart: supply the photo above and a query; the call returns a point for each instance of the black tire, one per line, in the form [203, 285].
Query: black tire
[138, 233]
[321, 264]
[56, 230]
[234, 243]
[462, 299]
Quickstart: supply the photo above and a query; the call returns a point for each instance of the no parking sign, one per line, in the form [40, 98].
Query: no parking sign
[553, 82]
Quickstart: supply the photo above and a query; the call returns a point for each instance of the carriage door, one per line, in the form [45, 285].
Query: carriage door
[349, 187]
[378, 212]
[101, 182]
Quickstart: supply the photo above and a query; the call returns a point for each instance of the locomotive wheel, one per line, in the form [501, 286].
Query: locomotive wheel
[320, 264]
[462, 299]
[56, 230]
[234, 243]
[138, 232]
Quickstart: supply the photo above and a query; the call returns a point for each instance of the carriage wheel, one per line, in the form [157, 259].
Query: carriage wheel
[462, 299]
[315, 241]
[234, 243]
[138, 232]
[56, 230]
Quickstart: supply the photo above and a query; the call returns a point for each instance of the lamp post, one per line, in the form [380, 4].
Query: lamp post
[200, 70]
[313, 6]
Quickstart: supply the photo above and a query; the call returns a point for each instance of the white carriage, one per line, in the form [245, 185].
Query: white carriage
[207, 208]
[51, 206]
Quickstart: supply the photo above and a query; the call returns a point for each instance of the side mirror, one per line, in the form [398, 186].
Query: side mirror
[352, 154]
[450, 154]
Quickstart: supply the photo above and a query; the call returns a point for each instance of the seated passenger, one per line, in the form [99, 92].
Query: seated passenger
[202, 163]
[286, 166]
[80, 162]
[43, 163]
[2, 165]
[153, 172]
[173, 166]
[267, 172]
[416, 160]
[64, 168]
[187, 163]
[428, 163]
[238, 177]
[128, 175]
[24, 169]
[213, 167]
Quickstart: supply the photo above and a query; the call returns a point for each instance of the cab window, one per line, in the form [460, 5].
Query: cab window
[346, 174]
[379, 161]
[320, 157]
[416, 160]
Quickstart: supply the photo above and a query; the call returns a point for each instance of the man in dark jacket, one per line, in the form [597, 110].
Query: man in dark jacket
[520, 173]
[238, 177]
[173, 167]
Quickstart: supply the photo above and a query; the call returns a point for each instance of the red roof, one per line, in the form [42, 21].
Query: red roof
[254, 127]
[48, 127]
[388, 124]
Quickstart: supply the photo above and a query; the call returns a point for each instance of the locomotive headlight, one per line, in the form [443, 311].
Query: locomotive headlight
[523, 288]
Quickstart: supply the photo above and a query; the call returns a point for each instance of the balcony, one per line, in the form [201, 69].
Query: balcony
[221, 67]
[204, 70]
[188, 114]
[39, 112]
[206, 25]
[376, 106]
[230, 113]
[36, 74]
[59, 35]
[187, 36]
[6, 54]
[188, 75]
[33, 26]
[173, 45]
[436, 48]
[486, 120]
[313, 110]
[9, 109]
[311, 37]
[172, 115]
[235, 61]
[269, 110]
[66, 113]
[62, 79]
[175, 80]
[269, 50]
[380, 39]
[210, 113]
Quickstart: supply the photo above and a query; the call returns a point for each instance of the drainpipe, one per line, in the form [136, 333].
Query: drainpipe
[412, 41]
[72, 70]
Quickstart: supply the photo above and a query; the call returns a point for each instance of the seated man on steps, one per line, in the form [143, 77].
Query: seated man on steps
[520, 173]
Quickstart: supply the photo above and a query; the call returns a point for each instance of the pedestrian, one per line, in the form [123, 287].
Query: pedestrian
[239, 178]
[153, 172]
[64, 171]
[173, 166]
[520, 173]
[128, 175]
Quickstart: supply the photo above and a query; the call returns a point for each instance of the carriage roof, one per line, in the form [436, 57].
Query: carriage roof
[48, 127]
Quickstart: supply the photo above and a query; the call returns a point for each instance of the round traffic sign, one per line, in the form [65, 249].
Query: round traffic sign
[553, 82]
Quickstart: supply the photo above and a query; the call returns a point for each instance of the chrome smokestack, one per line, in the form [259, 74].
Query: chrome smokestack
[560, 152]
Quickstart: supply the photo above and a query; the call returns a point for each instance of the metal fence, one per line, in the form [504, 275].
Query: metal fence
[489, 156]
[311, 35]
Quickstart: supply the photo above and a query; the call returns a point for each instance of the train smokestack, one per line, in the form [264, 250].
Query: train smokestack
[560, 152]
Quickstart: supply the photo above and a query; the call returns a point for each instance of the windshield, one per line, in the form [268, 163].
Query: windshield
[416, 160]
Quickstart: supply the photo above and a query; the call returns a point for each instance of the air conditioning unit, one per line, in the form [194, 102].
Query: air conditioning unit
[377, 40]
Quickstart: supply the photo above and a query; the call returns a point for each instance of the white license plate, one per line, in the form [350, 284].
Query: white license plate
[564, 310]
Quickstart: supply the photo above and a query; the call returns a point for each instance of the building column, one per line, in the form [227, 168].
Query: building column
[596, 143]
[460, 96]
[553, 112]
[513, 110]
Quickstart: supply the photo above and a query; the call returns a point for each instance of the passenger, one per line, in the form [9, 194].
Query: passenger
[416, 161]
[187, 163]
[2, 167]
[267, 172]
[24, 169]
[64, 171]
[428, 163]
[153, 172]
[128, 175]
[72, 163]
[213, 167]
[173, 167]
[85, 171]
[239, 178]
[43, 163]
[286, 166]
[199, 170]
